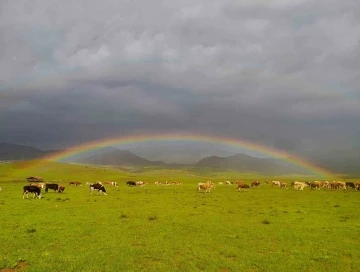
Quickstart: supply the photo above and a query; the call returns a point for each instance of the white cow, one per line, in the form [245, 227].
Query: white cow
[276, 183]
[299, 185]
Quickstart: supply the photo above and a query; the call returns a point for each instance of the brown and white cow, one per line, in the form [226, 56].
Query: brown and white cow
[315, 185]
[40, 185]
[61, 188]
[255, 184]
[205, 186]
[76, 183]
[241, 185]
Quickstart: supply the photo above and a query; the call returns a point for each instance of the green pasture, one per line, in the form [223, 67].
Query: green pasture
[173, 228]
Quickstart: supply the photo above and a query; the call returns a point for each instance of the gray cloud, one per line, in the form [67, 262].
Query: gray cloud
[279, 73]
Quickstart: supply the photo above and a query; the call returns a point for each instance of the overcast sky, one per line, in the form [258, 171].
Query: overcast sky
[282, 73]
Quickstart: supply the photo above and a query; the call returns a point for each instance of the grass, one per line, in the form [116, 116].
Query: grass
[174, 228]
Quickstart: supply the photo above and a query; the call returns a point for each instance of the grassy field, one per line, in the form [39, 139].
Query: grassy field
[173, 228]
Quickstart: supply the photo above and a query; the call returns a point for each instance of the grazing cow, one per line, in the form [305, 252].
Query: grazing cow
[283, 185]
[241, 185]
[40, 185]
[114, 183]
[315, 185]
[325, 184]
[97, 187]
[276, 183]
[32, 189]
[52, 186]
[76, 183]
[205, 186]
[255, 184]
[34, 179]
[131, 183]
[140, 183]
[228, 182]
[299, 185]
[342, 185]
[61, 189]
[350, 185]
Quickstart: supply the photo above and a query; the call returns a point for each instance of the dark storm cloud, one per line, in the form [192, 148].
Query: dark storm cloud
[280, 73]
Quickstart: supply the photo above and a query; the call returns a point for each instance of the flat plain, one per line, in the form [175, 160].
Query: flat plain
[175, 227]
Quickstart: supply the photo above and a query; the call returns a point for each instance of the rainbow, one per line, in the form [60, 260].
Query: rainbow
[187, 137]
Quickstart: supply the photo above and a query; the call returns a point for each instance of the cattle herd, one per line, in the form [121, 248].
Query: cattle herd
[36, 184]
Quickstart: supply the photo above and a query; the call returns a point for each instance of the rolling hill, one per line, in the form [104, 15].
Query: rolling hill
[10, 152]
[118, 157]
[243, 162]
[240, 162]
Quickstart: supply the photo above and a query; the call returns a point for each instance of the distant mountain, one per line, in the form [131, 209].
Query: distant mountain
[120, 158]
[243, 162]
[19, 152]
[83, 156]
[346, 162]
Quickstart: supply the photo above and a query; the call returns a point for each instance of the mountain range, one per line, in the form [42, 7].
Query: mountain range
[240, 162]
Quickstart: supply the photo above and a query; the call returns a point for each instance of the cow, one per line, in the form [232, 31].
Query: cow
[131, 183]
[350, 185]
[76, 183]
[61, 189]
[40, 185]
[255, 184]
[315, 185]
[34, 179]
[299, 185]
[140, 183]
[205, 186]
[342, 185]
[221, 183]
[97, 187]
[276, 183]
[283, 185]
[241, 185]
[52, 186]
[228, 182]
[32, 189]
[114, 183]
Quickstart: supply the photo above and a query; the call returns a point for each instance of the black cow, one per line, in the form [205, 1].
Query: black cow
[32, 189]
[131, 183]
[97, 187]
[350, 185]
[52, 186]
